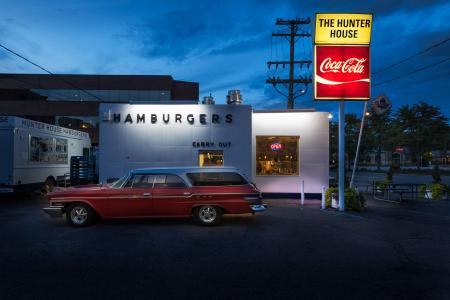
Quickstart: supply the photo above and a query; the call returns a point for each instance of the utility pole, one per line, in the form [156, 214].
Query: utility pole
[291, 37]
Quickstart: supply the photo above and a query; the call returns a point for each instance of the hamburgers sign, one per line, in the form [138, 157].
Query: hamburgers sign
[342, 57]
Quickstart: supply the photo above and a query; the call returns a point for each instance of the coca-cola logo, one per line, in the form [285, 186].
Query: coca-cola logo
[351, 65]
[342, 72]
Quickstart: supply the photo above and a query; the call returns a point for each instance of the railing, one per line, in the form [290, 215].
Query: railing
[398, 192]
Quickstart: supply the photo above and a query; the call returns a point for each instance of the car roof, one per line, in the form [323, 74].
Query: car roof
[183, 170]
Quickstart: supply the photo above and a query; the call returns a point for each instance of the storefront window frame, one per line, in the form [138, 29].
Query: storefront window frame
[277, 136]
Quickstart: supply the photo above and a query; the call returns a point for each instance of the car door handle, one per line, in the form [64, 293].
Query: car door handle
[146, 194]
[187, 194]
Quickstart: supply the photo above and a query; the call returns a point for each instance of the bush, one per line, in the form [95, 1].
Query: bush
[382, 185]
[329, 192]
[353, 199]
[422, 191]
[437, 190]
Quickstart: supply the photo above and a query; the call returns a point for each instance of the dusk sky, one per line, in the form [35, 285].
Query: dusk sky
[222, 44]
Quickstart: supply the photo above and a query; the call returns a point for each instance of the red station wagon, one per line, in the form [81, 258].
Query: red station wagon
[202, 193]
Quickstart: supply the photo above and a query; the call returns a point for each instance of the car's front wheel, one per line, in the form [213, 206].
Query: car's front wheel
[208, 215]
[79, 215]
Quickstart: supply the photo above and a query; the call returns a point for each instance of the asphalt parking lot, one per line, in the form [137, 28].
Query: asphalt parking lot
[390, 251]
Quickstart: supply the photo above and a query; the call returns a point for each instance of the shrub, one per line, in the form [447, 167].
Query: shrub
[422, 191]
[353, 199]
[382, 185]
[329, 192]
[437, 190]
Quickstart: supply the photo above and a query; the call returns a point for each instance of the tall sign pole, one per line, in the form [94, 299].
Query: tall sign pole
[342, 68]
[341, 156]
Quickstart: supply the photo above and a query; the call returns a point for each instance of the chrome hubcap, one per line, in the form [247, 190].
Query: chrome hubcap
[207, 214]
[78, 215]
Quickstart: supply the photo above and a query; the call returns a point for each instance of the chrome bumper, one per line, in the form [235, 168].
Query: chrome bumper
[54, 211]
[258, 207]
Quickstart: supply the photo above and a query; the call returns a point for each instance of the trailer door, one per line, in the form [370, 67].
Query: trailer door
[6, 156]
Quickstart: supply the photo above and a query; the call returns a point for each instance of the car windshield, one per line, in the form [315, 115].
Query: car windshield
[118, 183]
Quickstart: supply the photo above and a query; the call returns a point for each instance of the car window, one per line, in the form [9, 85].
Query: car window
[118, 183]
[141, 181]
[216, 178]
[169, 181]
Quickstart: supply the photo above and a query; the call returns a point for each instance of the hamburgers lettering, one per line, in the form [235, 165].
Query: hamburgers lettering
[172, 118]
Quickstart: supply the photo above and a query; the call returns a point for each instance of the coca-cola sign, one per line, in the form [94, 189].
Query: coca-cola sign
[342, 72]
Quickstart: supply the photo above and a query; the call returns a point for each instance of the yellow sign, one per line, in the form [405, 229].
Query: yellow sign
[343, 29]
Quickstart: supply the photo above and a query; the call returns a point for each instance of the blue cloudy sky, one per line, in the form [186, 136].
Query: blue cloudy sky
[221, 44]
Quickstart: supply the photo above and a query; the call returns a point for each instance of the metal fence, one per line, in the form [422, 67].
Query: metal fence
[398, 192]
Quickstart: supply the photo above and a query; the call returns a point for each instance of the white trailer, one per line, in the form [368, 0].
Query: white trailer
[33, 151]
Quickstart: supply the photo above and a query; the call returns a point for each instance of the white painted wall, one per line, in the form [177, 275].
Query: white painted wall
[126, 146]
[313, 130]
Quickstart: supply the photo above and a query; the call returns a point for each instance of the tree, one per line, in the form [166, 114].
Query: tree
[422, 128]
[352, 128]
[333, 146]
[379, 135]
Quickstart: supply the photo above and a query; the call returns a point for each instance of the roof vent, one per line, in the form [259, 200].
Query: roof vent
[234, 97]
[208, 100]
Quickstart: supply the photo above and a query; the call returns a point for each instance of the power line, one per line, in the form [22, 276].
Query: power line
[49, 72]
[291, 36]
[413, 72]
[412, 56]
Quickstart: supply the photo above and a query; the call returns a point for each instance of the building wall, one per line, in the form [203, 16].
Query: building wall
[105, 95]
[130, 145]
[313, 130]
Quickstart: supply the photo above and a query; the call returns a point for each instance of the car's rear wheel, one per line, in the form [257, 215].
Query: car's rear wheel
[208, 215]
[79, 215]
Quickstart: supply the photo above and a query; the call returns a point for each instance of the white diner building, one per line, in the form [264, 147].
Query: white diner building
[276, 149]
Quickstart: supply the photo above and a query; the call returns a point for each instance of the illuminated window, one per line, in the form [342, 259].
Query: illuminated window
[277, 156]
[210, 158]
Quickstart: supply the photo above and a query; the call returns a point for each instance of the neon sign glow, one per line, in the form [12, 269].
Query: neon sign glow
[276, 146]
